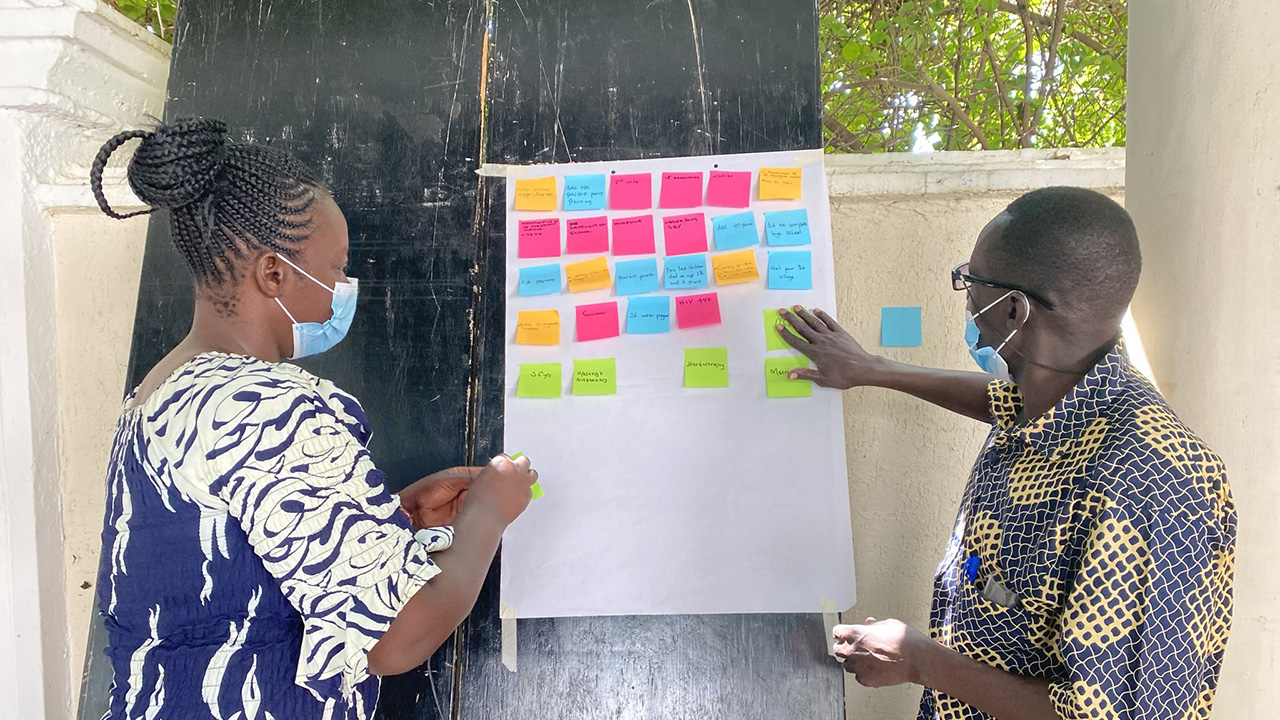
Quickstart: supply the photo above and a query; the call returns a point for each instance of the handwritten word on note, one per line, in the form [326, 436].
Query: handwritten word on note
[587, 235]
[584, 192]
[685, 234]
[697, 310]
[780, 183]
[538, 238]
[686, 271]
[631, 192]
[680, 190]
[772, 340]
[588, 275]
[633, 235]
[648, 315]
[787, 227]
[598, 321]
[540, 280]
[790, 270]
[539, 380]
[595, 377]
[536, 194]
[636, 276]
[538, 327]
[729, 189]
[776, 382]
[706, 367]
[735, 231]
[735, 267]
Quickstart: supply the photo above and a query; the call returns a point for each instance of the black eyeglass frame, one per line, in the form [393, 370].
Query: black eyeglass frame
[961, 280]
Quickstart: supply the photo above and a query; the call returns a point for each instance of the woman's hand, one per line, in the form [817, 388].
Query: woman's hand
[436, 499]
[503, 486]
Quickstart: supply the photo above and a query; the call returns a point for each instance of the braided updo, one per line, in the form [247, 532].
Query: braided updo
[226, 200]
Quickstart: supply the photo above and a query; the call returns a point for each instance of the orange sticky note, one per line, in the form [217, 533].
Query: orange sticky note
[538, 327]
[780, 183]
[588, 275]
[735, 267]
[536, 194]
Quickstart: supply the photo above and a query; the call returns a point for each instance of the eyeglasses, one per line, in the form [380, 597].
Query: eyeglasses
[962, 280]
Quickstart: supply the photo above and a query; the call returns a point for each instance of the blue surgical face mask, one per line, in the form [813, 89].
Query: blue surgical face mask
[989, 358]
[313, 338]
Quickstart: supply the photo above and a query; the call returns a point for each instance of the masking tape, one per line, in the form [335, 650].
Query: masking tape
[830, 618]
[508, 616]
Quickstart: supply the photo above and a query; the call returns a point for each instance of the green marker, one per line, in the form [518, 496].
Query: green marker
[535, 488]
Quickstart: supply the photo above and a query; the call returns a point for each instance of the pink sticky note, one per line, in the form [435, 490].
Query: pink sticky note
[729, 189]
[631, 192]
[696, 310]
[680, 190]
[598, 321]
[587, 235]
[685, 234]
[633, 235]
[539, 238]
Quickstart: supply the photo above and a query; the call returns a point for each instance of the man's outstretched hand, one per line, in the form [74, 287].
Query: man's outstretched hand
[839, 361]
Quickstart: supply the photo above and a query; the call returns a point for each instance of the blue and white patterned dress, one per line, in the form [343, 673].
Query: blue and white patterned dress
[251, 554]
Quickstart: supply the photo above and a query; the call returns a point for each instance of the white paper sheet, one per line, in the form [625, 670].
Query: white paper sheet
[667, 500]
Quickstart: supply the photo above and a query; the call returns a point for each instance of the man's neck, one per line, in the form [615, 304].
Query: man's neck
[1042, 388]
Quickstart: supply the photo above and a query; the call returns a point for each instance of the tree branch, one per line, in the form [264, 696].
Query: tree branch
[933, 88]
[1050, 67]
[1044, 21]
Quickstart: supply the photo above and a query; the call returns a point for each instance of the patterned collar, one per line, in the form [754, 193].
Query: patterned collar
[1073, 413]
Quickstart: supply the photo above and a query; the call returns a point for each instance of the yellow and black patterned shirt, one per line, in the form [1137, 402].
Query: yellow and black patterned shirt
[1095, 548]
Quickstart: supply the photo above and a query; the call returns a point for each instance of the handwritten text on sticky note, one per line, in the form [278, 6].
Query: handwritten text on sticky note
[706, 367]
[588, 275]
[772, 340]
[697, 310]
[787, 227]
[735, 267]
[680, 190]
[536, 194]
[540, 280]
[790, 270]
[735, 231]
[584, 192]
[631, 192]
[776, 382]
[648, 315]
[598, 321]
[685, 234]
[636, 276]
[780, 183]
[595, 377]
[539, 380]
[587, 235]
[729, 189]
[685, 272]
[538, 238]
[538, 327]
[633, 235]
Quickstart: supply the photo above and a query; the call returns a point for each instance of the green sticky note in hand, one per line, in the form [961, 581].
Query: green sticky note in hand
[595, 377]
[776, 382]
[706, 367]
[772, 340]
[539, 380]
[535, 489]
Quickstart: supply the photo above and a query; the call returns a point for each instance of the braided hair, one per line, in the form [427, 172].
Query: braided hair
[226, 200]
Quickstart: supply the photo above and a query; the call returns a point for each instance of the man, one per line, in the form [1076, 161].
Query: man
[1089, 572]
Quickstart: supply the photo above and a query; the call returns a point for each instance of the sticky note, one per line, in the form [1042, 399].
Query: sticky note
[697, 310]
[780, 183]
[684, 234]
[735, 231]
[633, 235]
[636, 276]
[685, 271]
[787, 227]
[735, 267]
[900, 327]
[772, 340]
[706, 367]
[631, 192]
[729, 189]
[790, 270]
[540, 280]
[776, 382]
[680, 190]
[588, 275]
[598, 321]
[648, 315]
[538, 238]
[584, 192]
[539, 380]
[595, 377]
[587, 235]
[538, 327]
[536, 194]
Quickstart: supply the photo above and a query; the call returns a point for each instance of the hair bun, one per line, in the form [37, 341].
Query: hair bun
[179, 162]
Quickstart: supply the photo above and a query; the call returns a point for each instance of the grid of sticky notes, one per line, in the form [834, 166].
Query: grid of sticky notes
[702, 234]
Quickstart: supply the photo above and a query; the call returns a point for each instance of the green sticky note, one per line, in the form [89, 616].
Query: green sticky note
[595, 377]
[776, 383]
[772, 340]
[539, 380]
[535, 490]
[706, 367]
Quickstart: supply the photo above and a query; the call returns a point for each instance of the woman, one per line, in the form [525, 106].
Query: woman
[254, 564]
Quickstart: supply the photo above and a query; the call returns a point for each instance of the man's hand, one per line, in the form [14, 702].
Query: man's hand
[436, 499]
[840, 362]
[884, 653]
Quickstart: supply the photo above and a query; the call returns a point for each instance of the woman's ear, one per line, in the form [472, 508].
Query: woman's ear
[268, 273]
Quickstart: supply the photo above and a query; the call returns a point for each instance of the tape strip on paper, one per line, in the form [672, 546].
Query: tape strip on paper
[830, 618]
[508, 616]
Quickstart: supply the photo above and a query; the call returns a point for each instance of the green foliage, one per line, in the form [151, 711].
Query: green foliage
[972, 74]
[156, 15]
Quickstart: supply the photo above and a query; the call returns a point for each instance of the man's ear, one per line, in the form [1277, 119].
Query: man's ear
[1019, 310]
[269, 272]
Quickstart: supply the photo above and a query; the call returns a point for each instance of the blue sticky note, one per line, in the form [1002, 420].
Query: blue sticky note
[735, 231]
[900, 327]
[685, 271]
[790, 270]
[540, 280]
[647, 315]
[583, 192]
[787, 227]
[636, 276]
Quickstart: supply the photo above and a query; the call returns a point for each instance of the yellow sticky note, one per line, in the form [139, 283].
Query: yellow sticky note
[735, 267]
[780, 183]
[538, 327]
[588, 275]
[537, 194]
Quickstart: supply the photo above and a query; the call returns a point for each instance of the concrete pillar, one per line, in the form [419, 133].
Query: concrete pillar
[1203, 184]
